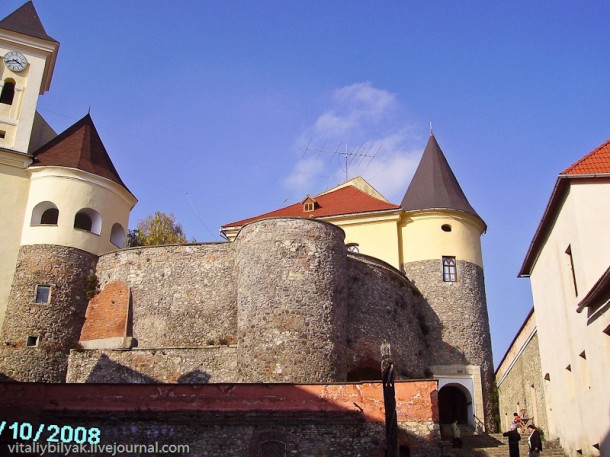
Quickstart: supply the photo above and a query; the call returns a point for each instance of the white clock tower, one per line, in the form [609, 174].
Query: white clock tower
[28, 59]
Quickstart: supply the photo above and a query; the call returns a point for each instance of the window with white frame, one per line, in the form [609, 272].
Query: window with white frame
[449, 269]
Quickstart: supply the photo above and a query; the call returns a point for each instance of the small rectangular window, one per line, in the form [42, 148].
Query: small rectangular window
[2, 134]
[32, 341]
[43, 294]
[449, 269]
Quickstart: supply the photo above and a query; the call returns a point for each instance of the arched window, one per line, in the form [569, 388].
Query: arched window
[353, 247]
[272, 449]
[88, 219]
[117, 235]
[8, 92]
[45, 213]
[269, 444]
[50, 216]
[83, 221]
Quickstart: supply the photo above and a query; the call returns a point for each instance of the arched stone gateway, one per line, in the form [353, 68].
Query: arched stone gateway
[455, 402]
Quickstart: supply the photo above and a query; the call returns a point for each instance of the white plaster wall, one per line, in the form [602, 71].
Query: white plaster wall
[469, 377]
[72, 190]
[580, 410]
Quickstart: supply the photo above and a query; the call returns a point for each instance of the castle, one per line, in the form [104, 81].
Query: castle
[305, 294]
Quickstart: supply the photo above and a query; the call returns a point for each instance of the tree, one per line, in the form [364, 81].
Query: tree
[158, 229]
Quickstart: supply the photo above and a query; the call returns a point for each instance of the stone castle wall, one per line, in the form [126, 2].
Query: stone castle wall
[383, 306]
[213, 364]
[57, 323]
[181, 296]
[292, 301]
[521, 387]
[455, 319]
[285, 291]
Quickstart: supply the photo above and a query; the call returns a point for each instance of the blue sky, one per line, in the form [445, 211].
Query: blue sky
[206, 107]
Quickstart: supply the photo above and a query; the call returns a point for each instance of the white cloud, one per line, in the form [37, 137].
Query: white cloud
[303, 174]
[361, 119]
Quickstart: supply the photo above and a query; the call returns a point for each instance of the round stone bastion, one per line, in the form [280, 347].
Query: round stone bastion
[292, 301]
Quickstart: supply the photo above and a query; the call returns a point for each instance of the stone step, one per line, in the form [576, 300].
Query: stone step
[495, 445]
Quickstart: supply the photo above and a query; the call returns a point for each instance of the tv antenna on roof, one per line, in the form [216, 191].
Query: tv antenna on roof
[353, 156]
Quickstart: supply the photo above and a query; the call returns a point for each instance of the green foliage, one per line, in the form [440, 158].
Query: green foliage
[156, 230]
[93, 286]
[134, 238]
[542, 437]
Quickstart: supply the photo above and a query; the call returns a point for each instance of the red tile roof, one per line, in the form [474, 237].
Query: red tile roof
[80, 147]
[346, 200]
[597, 161]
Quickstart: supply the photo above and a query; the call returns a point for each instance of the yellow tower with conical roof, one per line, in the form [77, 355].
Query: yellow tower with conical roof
[440, 244]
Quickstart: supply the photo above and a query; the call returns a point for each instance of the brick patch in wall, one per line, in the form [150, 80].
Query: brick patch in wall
[107, 314]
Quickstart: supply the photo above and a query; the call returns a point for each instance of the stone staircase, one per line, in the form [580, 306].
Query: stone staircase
[495, 445]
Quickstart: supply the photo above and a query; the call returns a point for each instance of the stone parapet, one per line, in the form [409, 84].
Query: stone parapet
[342, 420]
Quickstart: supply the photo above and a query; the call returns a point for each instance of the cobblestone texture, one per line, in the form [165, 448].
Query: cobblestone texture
[383, 307]
[516, 388]
[181, 366]
[455, 320]
[292, 301]
[57, 323]
[182, 296]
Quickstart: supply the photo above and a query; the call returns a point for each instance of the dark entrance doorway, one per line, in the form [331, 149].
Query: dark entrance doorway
[453, 404]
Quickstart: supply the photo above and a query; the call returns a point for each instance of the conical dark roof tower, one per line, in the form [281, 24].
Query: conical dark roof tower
[25, 20]
[79, 147]
[434, 186]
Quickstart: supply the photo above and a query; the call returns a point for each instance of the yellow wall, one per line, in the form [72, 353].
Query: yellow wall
[14, 184]
[17, 119]
[422, 238]
[397, 237]
[376, 235]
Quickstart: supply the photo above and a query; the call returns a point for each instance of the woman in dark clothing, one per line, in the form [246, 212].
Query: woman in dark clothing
[513, 441]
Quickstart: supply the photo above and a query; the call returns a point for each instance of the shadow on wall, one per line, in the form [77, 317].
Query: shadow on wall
[342, 420]
[605, 447]
[195, 377]
[107, 370]
[5, 378]
[440, 352]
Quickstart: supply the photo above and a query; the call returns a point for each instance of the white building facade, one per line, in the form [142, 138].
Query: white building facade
[568, 264]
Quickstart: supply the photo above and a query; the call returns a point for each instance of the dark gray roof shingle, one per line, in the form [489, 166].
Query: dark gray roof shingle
[25, 20]
[434, 186]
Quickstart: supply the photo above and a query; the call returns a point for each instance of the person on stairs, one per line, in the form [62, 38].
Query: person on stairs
[457, 440]
[534, 441]
[513, 440]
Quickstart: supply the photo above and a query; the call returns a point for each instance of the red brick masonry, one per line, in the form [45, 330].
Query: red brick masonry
[417, 401]
[107, 313]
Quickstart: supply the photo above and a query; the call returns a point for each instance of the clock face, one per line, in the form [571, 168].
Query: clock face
[15, 61]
